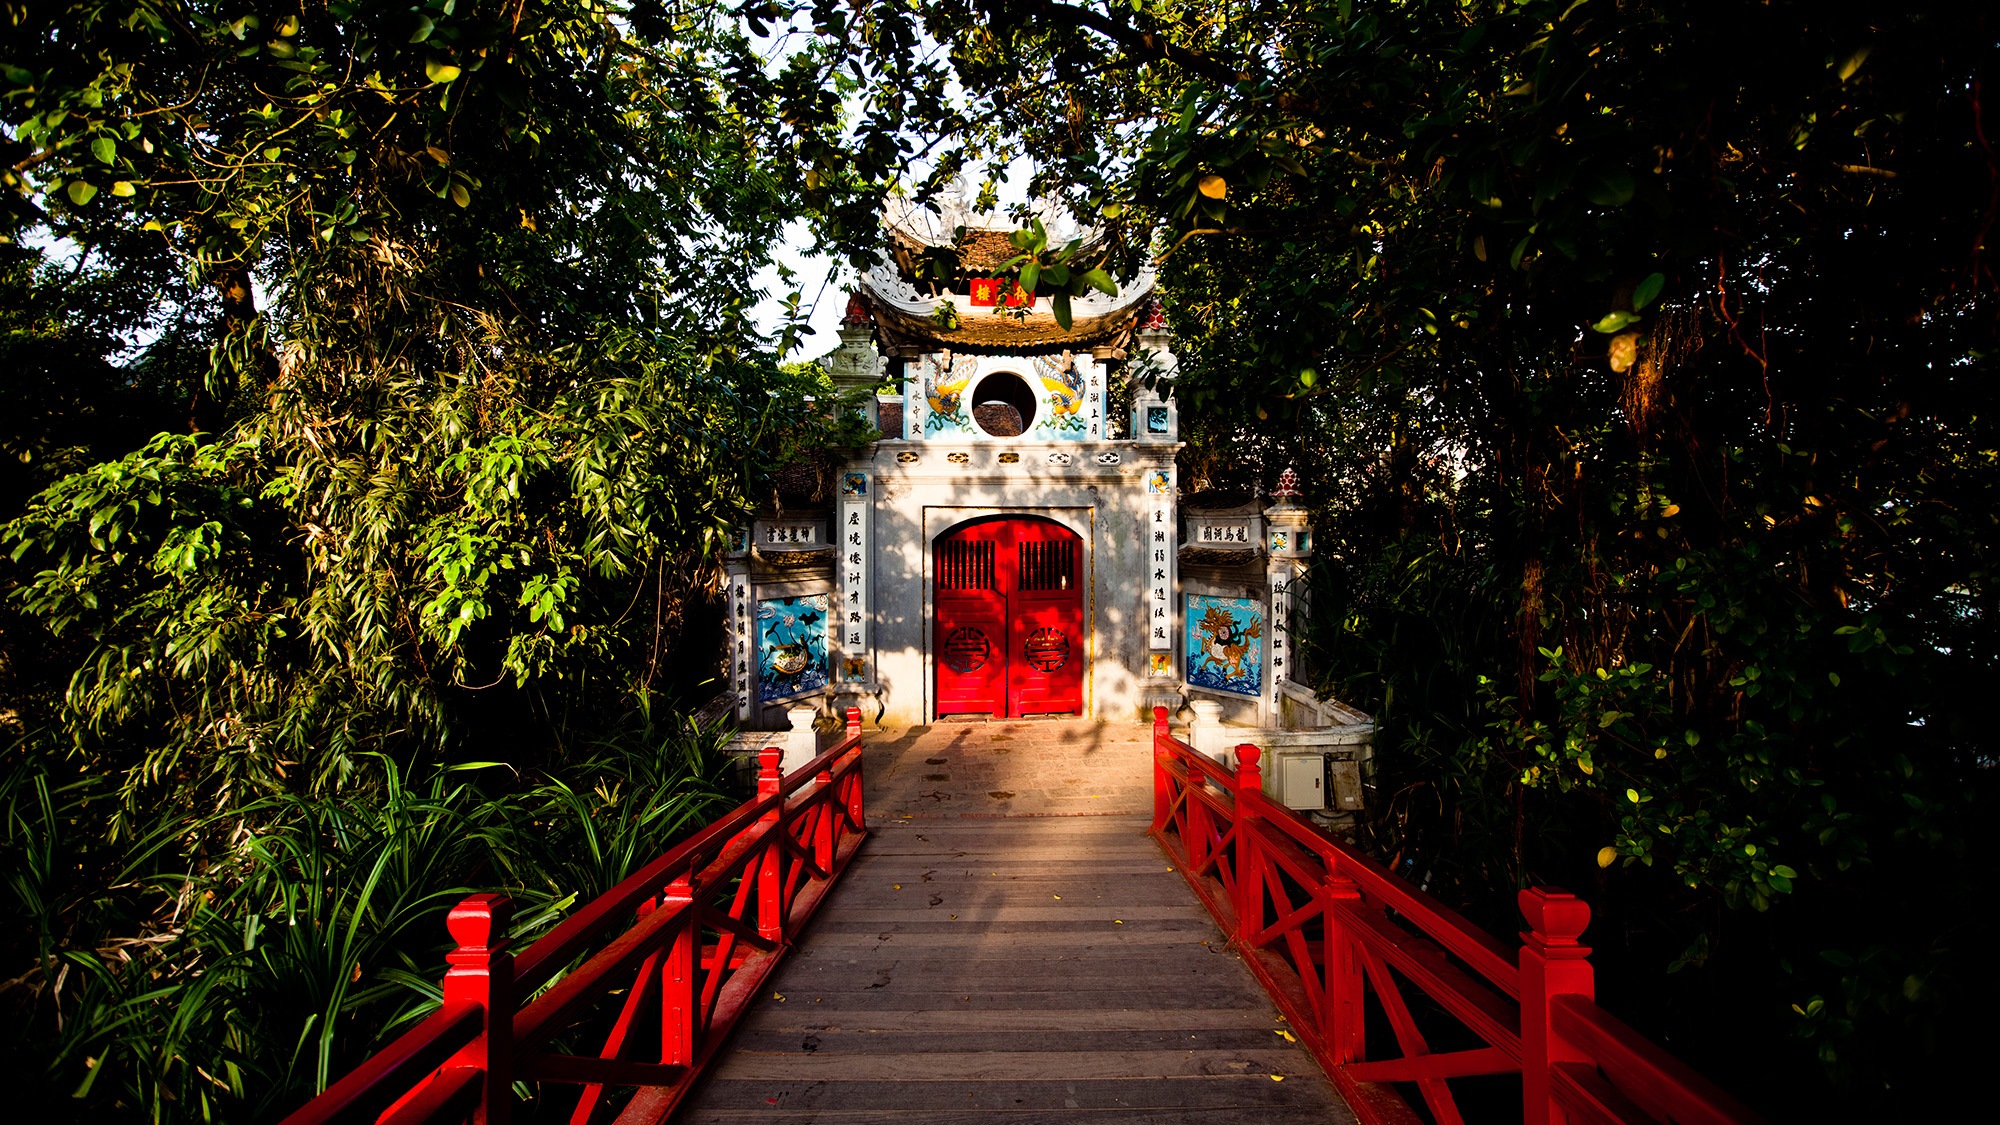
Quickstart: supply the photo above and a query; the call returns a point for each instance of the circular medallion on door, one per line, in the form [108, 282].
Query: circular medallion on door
[1046, 650]
[966, 650]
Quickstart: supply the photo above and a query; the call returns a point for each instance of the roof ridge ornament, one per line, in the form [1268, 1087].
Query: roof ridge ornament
[857, 310]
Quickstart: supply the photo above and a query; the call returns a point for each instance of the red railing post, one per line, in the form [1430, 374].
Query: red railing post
[856, 813]
[1162, 753]
[1343, 1027]
[770, 886]
[680, 975]
[1249, 872]
[482, 973]
[825, 823]
[1552, 965]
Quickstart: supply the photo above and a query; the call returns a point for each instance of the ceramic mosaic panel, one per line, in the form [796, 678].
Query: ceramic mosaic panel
[1225, 644]
[791, 646]
[1069, 407]
[946, 407]
[1069, 394]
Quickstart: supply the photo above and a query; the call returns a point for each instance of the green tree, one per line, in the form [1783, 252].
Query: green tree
[470, 280]
[384, 373]
[1639, 359]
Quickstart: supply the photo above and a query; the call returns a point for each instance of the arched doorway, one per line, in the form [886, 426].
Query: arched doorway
[1009, 629]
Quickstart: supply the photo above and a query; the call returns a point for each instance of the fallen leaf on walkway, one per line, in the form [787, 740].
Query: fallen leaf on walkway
[898, 886]
[778, 996]
[1118, 921]
[1058, 897]
[1285, 1035]
[1277, 1078]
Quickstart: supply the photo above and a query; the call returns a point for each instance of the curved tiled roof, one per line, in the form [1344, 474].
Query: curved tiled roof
[907, 316]
[906, 312]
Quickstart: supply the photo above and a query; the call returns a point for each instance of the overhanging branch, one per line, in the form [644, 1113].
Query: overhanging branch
[1149, 45]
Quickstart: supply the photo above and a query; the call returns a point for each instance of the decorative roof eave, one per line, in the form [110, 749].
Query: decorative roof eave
[1192, 554]
[981, 253]
[904, 317]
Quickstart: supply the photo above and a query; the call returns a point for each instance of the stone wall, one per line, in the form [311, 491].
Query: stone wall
[924, 489]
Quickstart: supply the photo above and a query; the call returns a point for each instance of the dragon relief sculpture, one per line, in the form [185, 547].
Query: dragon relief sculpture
[945, 380]
[1064, 384]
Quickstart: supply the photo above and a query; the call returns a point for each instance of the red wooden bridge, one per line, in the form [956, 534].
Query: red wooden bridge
[1091, 1020]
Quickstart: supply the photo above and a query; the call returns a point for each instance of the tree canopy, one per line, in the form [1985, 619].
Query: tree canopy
[1639, 359]
[382, 380]
[382, 384]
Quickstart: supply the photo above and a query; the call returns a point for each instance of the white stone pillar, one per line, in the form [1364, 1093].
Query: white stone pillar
[1205, 731]
[802, 741]
[1160, 558]
[853, 609]
[1290, 545]
[742, 674]
[1278, 662]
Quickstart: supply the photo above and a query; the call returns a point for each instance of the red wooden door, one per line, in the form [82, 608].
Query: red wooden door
[971, 647]
[1009, 601]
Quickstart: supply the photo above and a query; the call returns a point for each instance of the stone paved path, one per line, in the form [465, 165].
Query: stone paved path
[988, 957]
[1029, 767]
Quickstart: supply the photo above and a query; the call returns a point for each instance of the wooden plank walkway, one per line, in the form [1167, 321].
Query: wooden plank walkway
[1031, 968]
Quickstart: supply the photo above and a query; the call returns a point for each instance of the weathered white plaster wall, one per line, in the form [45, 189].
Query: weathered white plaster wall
[915, 501]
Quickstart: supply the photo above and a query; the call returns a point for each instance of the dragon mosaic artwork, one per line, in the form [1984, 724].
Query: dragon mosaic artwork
[1063, 384]
[944, 392]
[1225, 644]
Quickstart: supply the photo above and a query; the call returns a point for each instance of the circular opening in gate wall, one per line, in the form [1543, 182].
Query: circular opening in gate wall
[1003, 405]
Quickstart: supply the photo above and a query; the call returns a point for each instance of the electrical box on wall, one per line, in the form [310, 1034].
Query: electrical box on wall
[1301, 783]
[1316, 781]
[1343, 783]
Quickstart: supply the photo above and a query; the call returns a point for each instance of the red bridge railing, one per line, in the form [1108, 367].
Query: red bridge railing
[1325, 927]
[687, 941]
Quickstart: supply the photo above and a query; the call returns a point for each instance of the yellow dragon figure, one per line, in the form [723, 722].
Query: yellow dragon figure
[943, 389]
[1064, 384]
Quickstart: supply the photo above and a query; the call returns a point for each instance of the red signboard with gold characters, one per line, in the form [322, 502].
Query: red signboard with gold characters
[986, 292]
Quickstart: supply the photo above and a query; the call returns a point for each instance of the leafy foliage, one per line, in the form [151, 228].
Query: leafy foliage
[1640, 358]
[478, 401]
[234, 982]
[385, 377]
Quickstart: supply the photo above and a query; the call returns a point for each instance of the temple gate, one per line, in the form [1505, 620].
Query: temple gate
[1010, 625]
[1015, 543]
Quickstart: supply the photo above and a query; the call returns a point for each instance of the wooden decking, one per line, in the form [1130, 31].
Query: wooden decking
[1028, 968]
